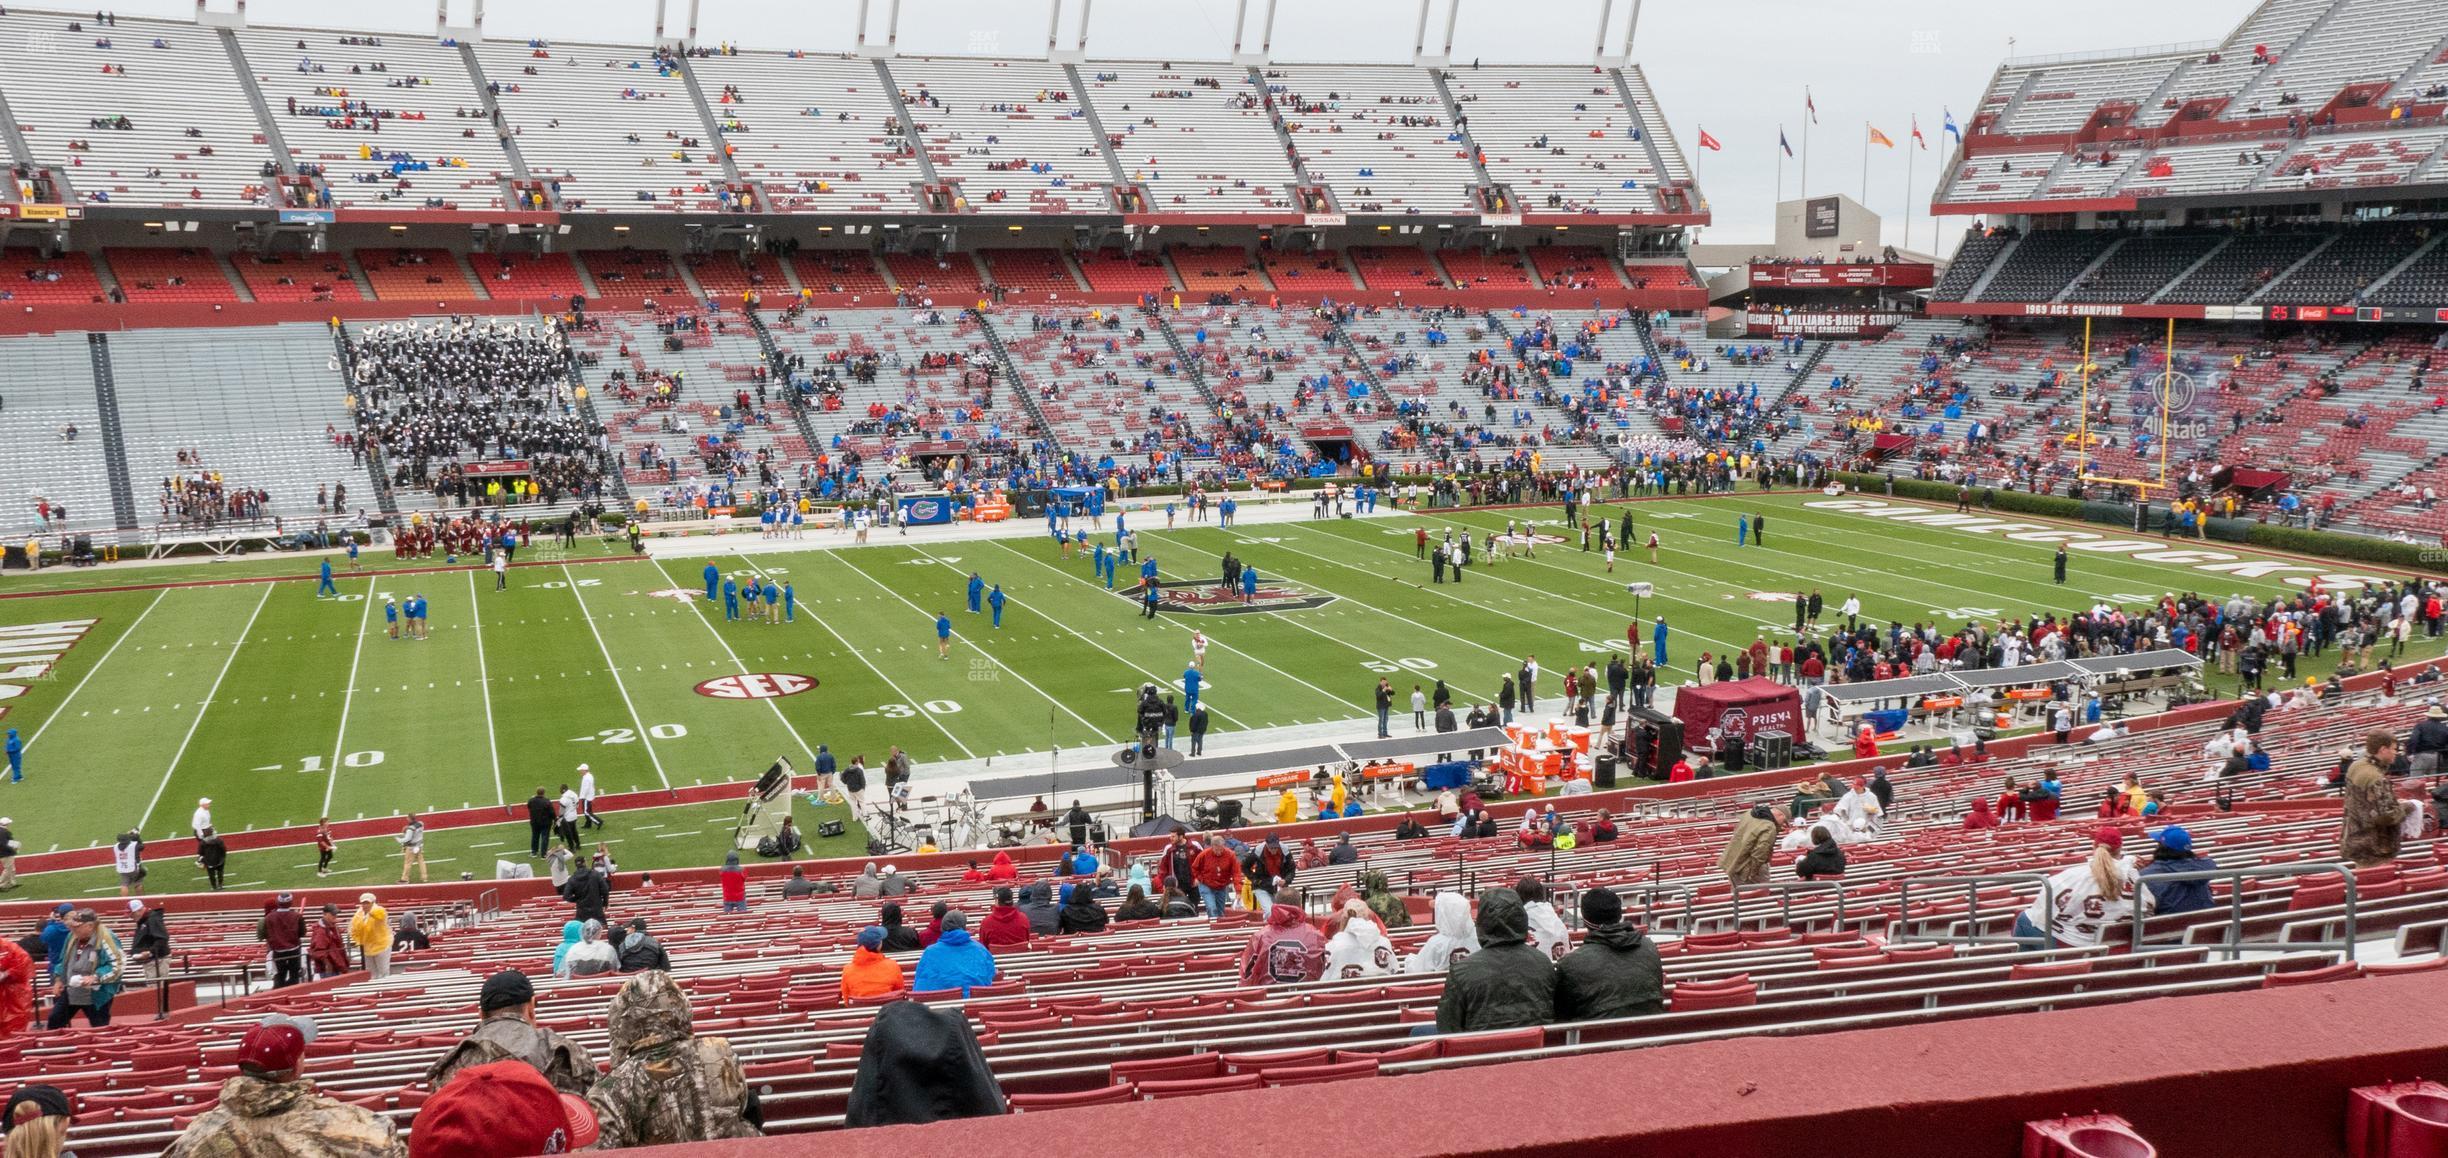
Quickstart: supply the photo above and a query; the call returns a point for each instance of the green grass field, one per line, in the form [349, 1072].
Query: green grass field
[283, 707]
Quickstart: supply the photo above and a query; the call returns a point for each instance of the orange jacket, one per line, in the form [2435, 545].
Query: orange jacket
[871, 974]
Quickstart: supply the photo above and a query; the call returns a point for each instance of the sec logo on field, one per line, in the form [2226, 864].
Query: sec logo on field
[756, 686]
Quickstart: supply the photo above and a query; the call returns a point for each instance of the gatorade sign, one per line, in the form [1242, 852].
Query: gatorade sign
[756, 686]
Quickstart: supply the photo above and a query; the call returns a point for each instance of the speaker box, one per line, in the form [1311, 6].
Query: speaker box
[1603, 778]
[831, 828]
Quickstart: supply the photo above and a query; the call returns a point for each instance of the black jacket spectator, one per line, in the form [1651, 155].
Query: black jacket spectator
[1614, 972]
[1507, 983]
[1082, 914]
[1044, 918]
[587, 892]
[639, 952]
[1825, 858]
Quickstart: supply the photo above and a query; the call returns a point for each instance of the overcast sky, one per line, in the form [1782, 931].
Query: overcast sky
[1737, 67]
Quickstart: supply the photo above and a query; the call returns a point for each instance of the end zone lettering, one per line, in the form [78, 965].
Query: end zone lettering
[756, 686]
[29, 651]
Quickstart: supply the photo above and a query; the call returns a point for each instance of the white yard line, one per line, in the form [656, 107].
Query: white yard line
[484, 689]
[62, 709]
[209, 696]
[1161, 681]
[348, 695]
[1098, 732]
[617, 682]
[847, 646]
[770, 701]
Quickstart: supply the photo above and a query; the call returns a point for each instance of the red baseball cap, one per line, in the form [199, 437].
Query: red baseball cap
[276, 1046]
[502, 1110]
[2109, 835]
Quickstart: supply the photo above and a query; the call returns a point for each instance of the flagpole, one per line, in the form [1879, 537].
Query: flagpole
[1908, 186]
[1807, 118]
[1780, 156]
[1865, 163]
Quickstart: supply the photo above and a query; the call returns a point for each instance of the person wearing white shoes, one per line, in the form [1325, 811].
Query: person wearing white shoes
[586, 797]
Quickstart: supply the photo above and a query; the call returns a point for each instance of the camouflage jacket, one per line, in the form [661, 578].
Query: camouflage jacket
[666, 1086]
[258, 1118]
[565, 1063]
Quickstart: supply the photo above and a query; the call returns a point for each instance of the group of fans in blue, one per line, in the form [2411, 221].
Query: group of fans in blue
[771, 602]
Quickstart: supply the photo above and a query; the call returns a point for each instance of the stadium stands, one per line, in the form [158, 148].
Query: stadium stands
[612, 127]
[390, 120]
[1010, 131]
[315, 277]
[633, 272]
[956, 274]
[1381, 136]
[819, 130]
[855, 271]
[1397, 268]
[1156, 1009]
[27, 276]
[547, 276]
[2044, 263]
[1110, 270]
[1561, 137]
[1217, 269]
[260, 406]
[52, 422]
[416, 274]
[145, 113]
[169, 275]
[1472, 269]
[1194, 139]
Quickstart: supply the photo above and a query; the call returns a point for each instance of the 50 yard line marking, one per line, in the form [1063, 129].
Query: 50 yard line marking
[644, 737]
[62, 709]
[348, 695]
[484, 689]
[209, 695]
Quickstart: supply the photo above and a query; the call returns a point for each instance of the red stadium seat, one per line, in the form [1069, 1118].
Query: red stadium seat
[1500, 1041]
[1193, 1087]
[1108, 1096]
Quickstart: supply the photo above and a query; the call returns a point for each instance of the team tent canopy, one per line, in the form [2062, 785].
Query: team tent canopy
[1739, 708]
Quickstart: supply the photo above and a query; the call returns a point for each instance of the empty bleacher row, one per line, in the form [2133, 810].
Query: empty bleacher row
[2327, 86]
[1161, 1009]
[2377, 263]
[259, 406]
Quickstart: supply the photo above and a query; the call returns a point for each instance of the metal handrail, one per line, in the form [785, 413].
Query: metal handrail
[2234, 944]
[1903, 925]
[1784, 891]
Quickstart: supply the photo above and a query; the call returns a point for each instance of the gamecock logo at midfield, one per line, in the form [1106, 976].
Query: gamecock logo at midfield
[1209, 597]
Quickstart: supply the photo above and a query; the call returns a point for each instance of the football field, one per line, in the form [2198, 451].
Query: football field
[284, 707]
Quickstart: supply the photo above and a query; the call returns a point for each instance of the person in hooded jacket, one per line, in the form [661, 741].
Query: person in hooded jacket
[1547, 932]
[1005, 924]
[1037, 904]
[573, 934]
[588, 891]
[1753, 846]
[271, 1110]
[868, 886]
[868, 972]
[921, 1065]
[1002, 869]
[898, 937]
[508, 1031]
[1454, 941]
[1380, 899]
[1270, 870]
[327, 946]
[1615, 972]
[16, 989]
[1507, 984]
[592, 955]
[1356, 945]
[667, 1086]
[1081, 913]
[1825, 859]
[955, 960]
[1288, 949]
[1344, 851]
[640, 952]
